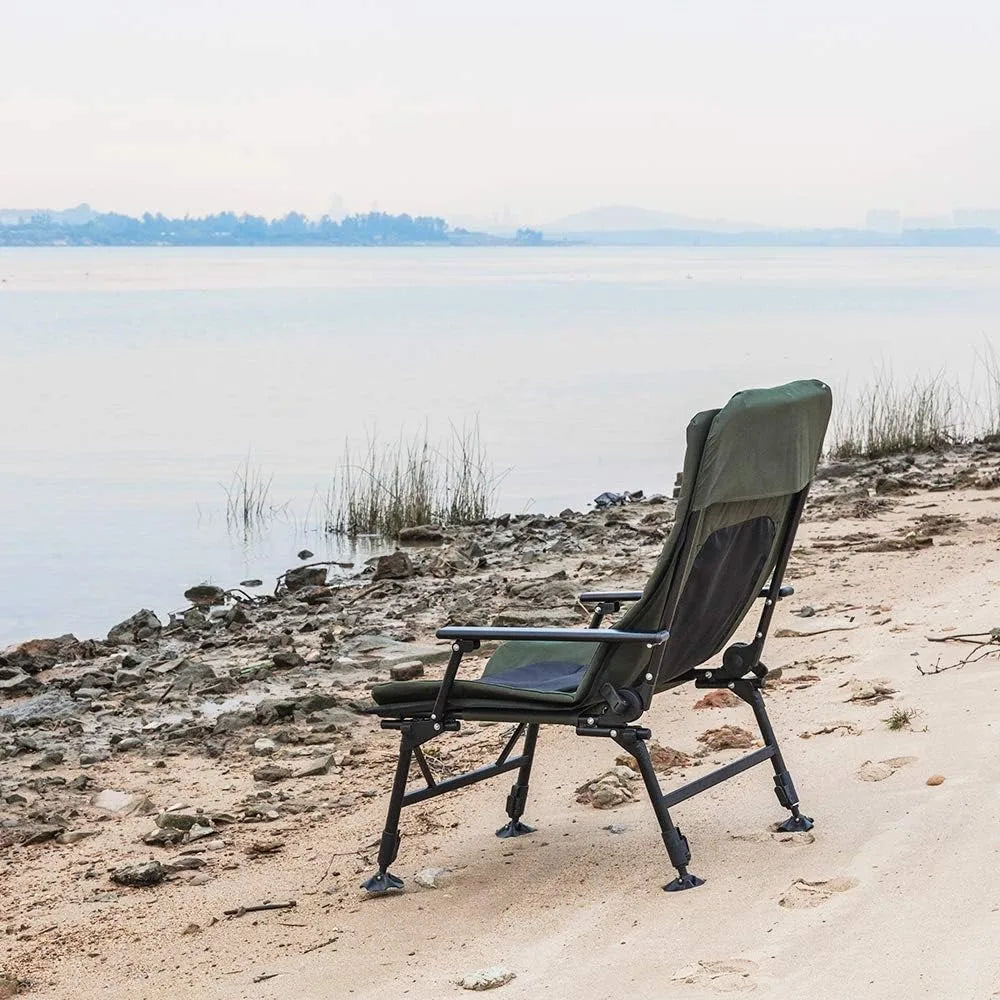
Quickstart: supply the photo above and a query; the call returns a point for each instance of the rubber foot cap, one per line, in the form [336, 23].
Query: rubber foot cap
[382, 883]
[796, 824]
[515, 828]
[682, 882]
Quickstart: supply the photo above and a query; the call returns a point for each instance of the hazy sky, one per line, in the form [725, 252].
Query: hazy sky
[783, 111]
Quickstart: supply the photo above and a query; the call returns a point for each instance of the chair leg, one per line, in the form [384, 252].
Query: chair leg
[784, 788]
[518, 797]
[675, 842]
[383, 881]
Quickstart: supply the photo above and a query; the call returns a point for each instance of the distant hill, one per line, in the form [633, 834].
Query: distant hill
[631, 218]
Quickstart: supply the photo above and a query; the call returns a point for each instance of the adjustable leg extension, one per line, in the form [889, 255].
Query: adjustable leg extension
[383, 881]
[519, 790]
[676, 843]
[784, 788]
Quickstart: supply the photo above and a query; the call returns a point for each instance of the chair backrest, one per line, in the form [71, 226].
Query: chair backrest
[746, 471]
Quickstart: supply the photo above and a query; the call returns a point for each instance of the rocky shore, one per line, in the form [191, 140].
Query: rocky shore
[224, 752]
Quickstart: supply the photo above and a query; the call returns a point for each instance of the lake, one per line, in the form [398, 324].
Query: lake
[137, 380]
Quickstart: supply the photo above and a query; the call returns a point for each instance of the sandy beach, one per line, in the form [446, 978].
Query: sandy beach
[221, 719]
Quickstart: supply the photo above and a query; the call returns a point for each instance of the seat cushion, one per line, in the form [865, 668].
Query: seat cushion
[549, 675]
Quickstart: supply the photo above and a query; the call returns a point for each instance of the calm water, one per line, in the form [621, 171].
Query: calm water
[136, 380]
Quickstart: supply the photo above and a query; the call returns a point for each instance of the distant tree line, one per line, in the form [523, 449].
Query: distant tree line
[229, 229]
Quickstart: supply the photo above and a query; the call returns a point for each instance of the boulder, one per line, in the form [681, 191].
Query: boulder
[205, 595]
[422, 533]
[141, 626]
[397, 566]
[305, 576]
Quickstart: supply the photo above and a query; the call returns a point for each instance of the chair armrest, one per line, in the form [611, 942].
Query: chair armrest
[599, 596]
[785, 591]
[479, 634]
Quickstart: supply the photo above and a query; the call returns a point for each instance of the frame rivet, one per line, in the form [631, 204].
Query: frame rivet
[437, 727]
[590, 720]
[708, 674]
[760, 635]
[614, 733]
[649, 677]
[454, 647]
[433, 716]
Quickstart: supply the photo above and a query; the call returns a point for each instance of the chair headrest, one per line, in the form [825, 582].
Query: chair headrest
[763, 443]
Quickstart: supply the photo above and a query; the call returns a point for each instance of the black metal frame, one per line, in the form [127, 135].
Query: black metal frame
[741, 672]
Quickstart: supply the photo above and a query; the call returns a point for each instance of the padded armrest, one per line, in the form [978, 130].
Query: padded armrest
[550, 634]
[599, 596]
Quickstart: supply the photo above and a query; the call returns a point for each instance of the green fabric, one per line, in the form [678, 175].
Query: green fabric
[765, 442]
[467, 692]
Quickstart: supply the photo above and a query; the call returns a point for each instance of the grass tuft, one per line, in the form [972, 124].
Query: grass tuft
[891, 419]
[901, 718]
[412, 481]
[248, 499]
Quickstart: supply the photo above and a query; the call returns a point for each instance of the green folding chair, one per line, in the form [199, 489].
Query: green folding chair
[747, 472]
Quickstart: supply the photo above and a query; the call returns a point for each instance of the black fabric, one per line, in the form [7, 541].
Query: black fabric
[550, 675]
[723, 579]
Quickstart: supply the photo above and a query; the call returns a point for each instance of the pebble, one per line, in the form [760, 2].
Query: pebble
[936, 779]
[487, 979]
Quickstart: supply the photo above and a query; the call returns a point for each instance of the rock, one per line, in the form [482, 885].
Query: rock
[141, 626]
[272, 773]
[263, 747]
[41, 654]
[430, 878]
[305, 576]
[18, 684]
[836, 470]
[718, 699]
[163, 836]
[251, 583]
[450, 561]
[123, 803]
[195, 619]
[870, 691]
[304, 554]
[286, 659]
[397, 566]
[887, 486]
[144, 873]
[615, 828]
[127, 678]
[68, 837]
[727, 738]
[11, 986]
[487, 979]
[51, 706]
[663, 758]
[806, 611]
[185, 674]
[421, 533]
[408, 671]
[609, 790]
[318, 767]
[936, 779]
[128, 743]
[536, 618]
[205, 595]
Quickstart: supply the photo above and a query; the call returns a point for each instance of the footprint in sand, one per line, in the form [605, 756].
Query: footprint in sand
[802, 894]
[880, 770]
[732, 975]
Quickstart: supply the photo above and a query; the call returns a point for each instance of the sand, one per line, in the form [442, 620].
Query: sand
[895, 893]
